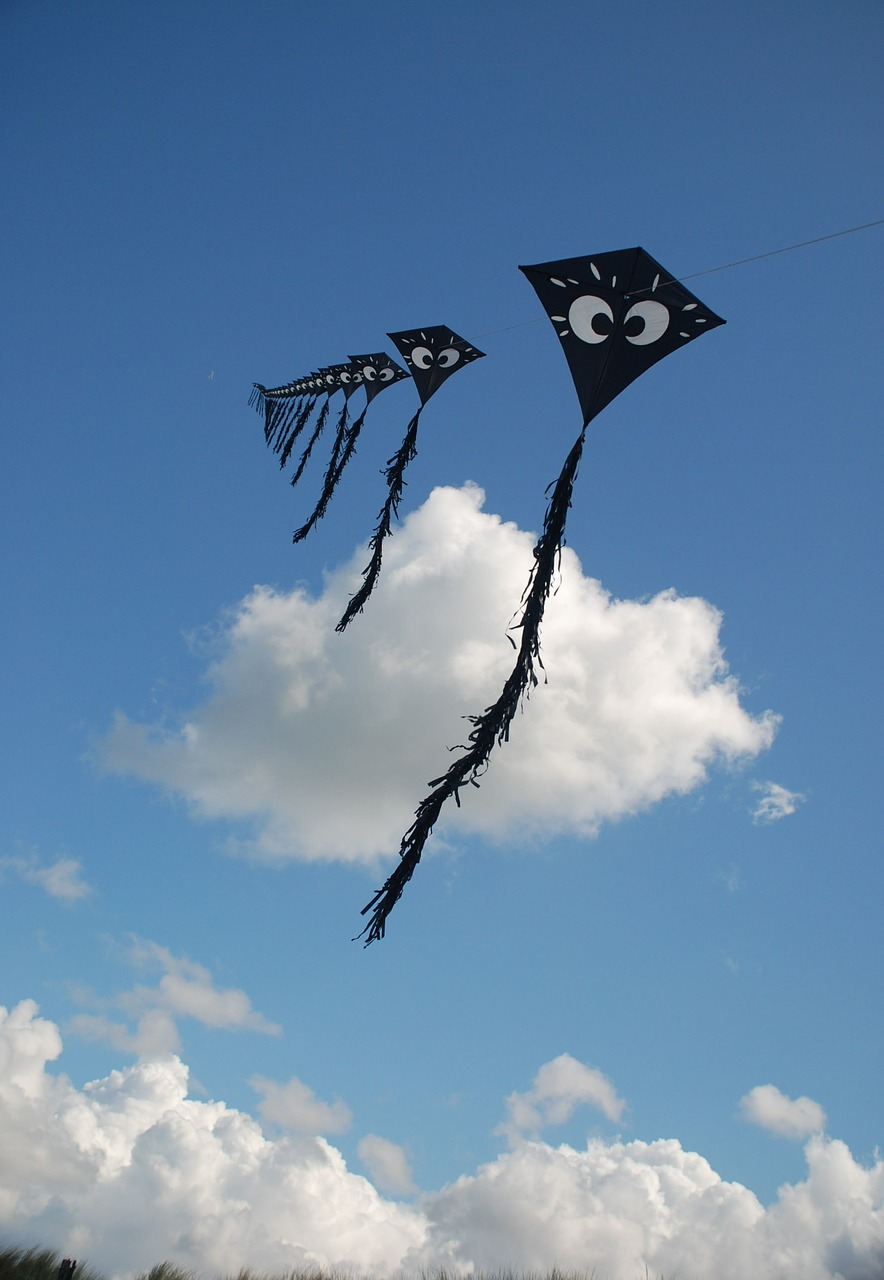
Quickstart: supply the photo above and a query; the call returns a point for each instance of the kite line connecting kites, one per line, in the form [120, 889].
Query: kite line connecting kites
[616, 314]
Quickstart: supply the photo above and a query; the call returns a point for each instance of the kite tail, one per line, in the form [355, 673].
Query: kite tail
[350, 446]
[273, 408]
[278, 414]
[395, 477]
[305, 456]
[340, 434]
[267, 405]
[492, 727]
[332, 476]
[300, 424]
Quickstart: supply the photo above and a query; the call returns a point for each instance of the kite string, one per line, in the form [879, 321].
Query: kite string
[772, 253]
[708, 271]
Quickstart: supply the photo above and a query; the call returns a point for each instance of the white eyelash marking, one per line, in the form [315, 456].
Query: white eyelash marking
[560, 283]
[595, 271]
[689, 306]
[656, 282]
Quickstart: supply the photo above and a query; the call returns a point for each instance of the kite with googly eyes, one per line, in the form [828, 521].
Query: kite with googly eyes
[288, 409]
[432, 354]
[374, 372]
[616, 314]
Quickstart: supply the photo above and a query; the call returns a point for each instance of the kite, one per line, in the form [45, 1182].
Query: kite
[616, 314]
[288, 409]
[432, 354]
[374, 372]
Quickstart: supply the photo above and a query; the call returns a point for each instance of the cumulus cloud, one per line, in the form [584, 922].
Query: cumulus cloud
[789, 1117]
[185, 989]
[324, 743]
[129, 1170]
[559, 1087]
[295, 1106]
[774, 802]
[387, 1164]
[62, 879]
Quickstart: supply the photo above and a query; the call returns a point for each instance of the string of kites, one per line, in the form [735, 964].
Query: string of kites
[616, 314]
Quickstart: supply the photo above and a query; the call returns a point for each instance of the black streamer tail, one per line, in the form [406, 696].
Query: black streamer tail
[395, 477]
[330, 480]
[305, 456]
[340, 436]
[492, 727]
[350, 446]
[269, 406]
[275, 413]
[284, 448]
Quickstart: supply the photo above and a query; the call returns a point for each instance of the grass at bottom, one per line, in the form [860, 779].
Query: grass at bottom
[18, 1263]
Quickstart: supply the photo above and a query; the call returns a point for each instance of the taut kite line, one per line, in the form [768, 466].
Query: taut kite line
[616, 315]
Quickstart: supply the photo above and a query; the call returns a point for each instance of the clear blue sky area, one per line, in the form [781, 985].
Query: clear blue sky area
[199, 196]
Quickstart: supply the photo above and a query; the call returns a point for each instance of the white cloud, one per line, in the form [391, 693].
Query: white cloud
[775, 802]
[185, 989]
[61, 879]
[128, 1171]
[789, 1117]
[625, 1207]
[324, 743]
[295, 1106]
[387, 1164]
[559, 1087]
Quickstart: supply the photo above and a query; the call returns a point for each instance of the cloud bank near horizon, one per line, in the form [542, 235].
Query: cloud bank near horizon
[324, 743]
[129, 1170]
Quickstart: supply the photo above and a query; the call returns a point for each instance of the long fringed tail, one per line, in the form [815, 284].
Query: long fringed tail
[492, 727]
[305, 456]
[395, 477]
[278, 412]
[269, 406]
[329, 483]
[350, 446]
[285, 439]
[340, 436]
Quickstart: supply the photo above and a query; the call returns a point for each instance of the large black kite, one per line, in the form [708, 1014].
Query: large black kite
[616, 314]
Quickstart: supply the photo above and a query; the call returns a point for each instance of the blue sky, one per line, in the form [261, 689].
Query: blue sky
[202, 784]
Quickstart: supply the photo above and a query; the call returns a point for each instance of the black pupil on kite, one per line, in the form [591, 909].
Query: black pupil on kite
[634, 326]
[602, 324]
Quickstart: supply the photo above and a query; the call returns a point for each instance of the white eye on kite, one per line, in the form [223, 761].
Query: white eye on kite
[345, 378]
[422, 357]
[369, 372]
[590, 318]
[448, 358]
[654, 321]
[385, 374]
